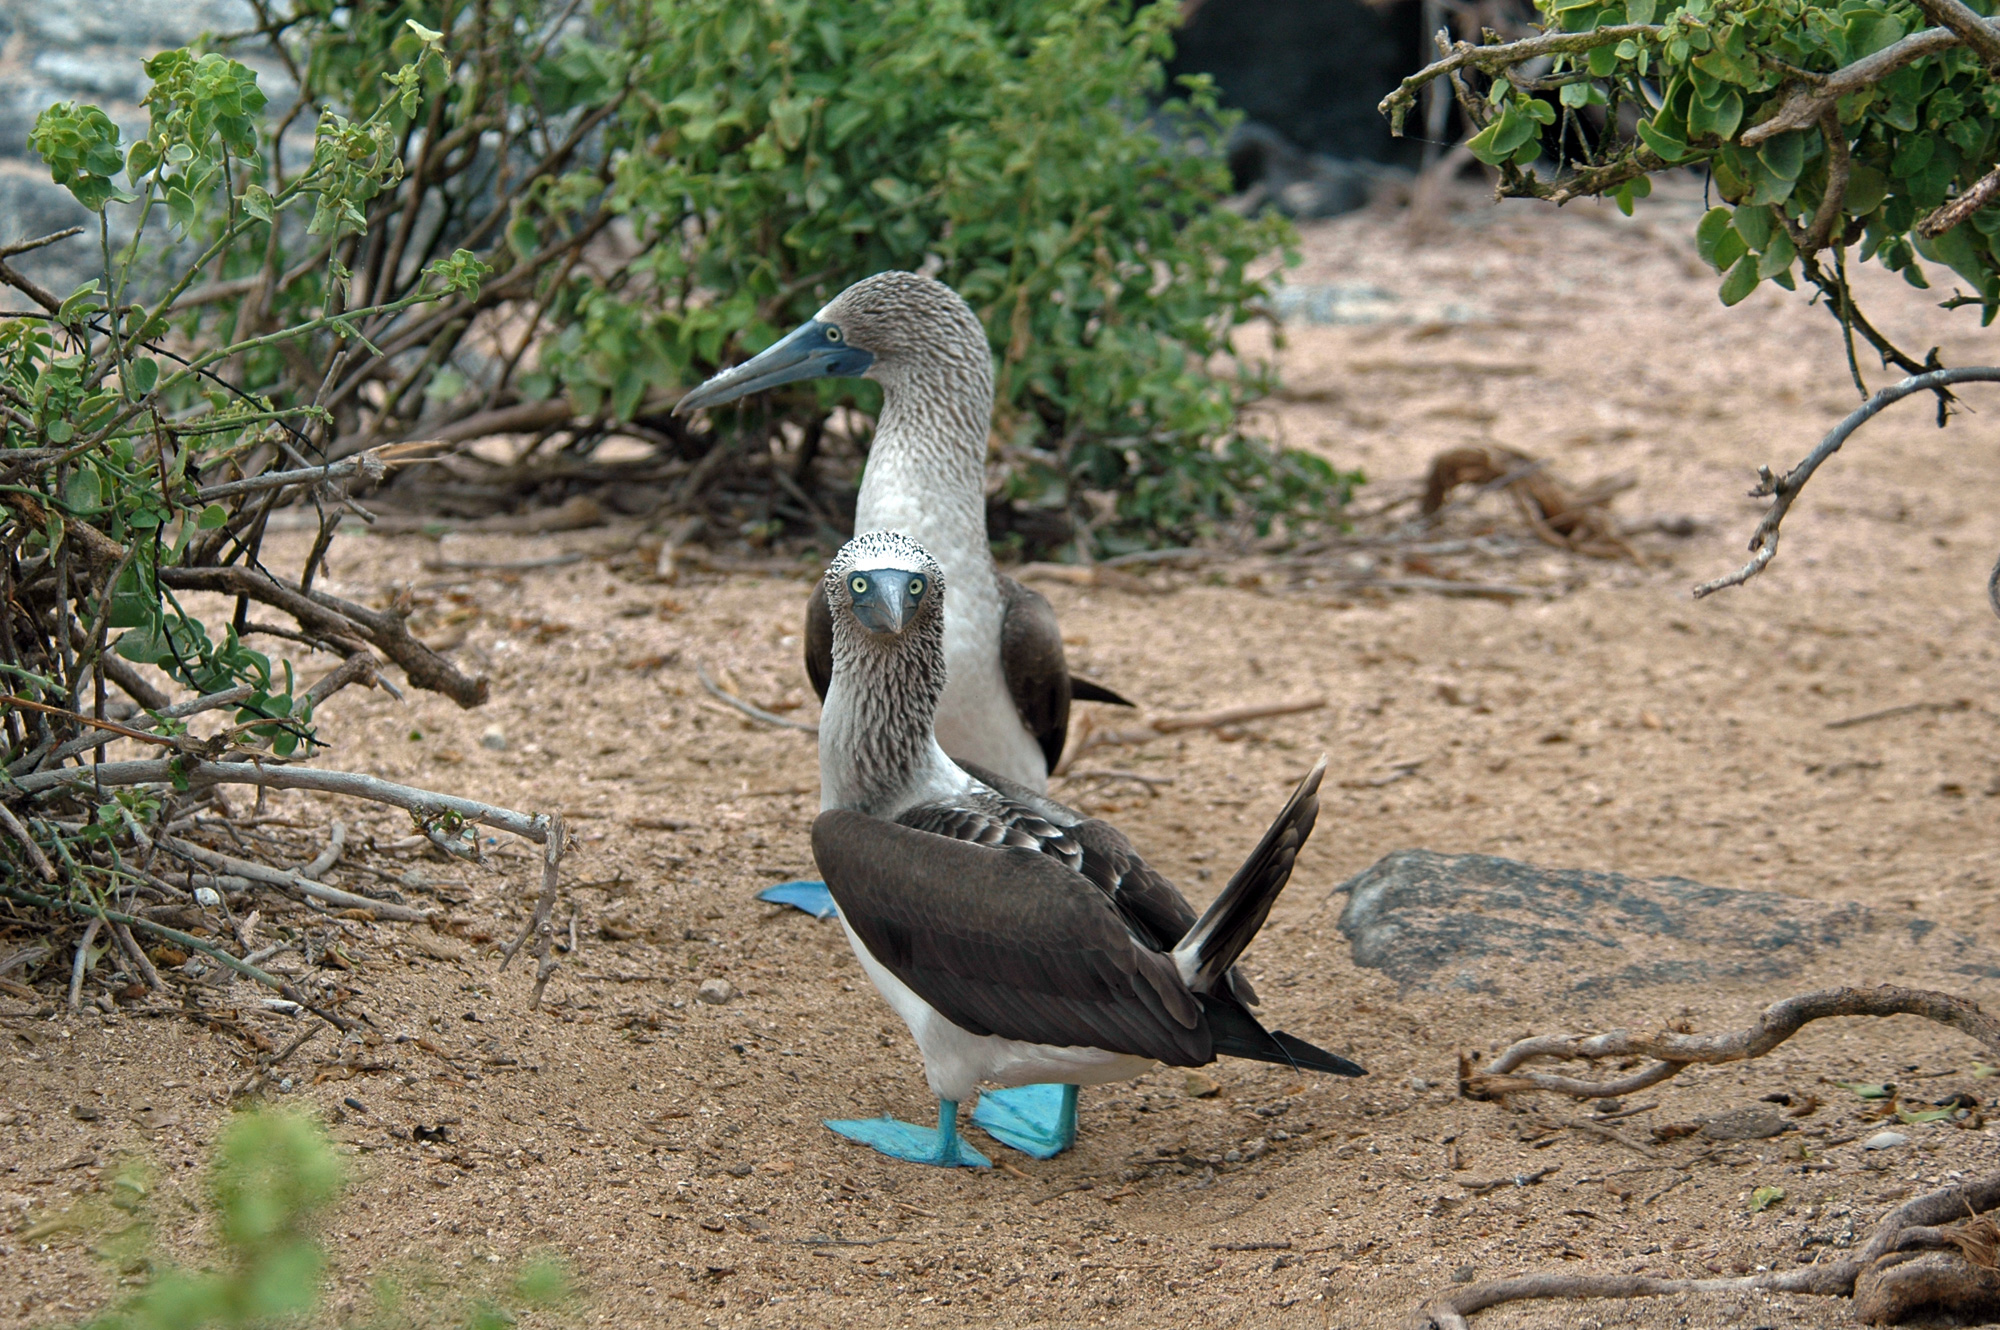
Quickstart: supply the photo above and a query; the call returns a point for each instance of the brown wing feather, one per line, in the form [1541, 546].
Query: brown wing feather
[1031, 656]
[819, 642]
[1006, 941]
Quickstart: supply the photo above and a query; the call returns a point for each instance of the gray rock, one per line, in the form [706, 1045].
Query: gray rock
[113, 73]
[1471, 922]
[1752, 1122]
[715, 992]
[1885, 1140]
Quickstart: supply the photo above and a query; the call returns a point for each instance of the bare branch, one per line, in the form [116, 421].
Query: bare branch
[1782, 490]
[1500, 58]
[1807, 105]
[1984, 191]
[36, 859]
[422, 803]
[1972, 29]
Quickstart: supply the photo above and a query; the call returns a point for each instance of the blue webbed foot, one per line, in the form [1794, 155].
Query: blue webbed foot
[899, 1140]
[1038, 1120]
[812, 897]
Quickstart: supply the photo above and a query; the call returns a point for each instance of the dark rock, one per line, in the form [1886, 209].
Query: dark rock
[1271, 170]
[1472, 921]
[1313, 70]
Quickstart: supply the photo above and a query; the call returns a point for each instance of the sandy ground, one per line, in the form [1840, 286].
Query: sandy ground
[670, 1149]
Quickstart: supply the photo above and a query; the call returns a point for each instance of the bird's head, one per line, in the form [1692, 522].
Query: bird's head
[886, 583]
[878, 328]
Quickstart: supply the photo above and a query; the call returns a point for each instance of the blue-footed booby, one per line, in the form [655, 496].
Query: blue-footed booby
[1022, 943]
[1006, 702]
[1008, 688]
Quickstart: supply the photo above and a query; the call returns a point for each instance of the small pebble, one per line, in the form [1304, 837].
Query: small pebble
[1419, 1084]
[1885, 1140]
[493, 738]
[715, 992]
[1200, 1086]
[83, 1112]
[207, 897]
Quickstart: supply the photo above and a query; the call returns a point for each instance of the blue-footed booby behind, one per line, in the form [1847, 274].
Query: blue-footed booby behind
[1006, 702]
[1022, 943]
[1008, 688]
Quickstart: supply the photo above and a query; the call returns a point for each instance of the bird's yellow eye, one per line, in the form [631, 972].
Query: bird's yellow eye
[916, 586]
[832, 334]
[860, 585]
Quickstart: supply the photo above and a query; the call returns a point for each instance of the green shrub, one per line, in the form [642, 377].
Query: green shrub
[1822, 126]
[661, 189]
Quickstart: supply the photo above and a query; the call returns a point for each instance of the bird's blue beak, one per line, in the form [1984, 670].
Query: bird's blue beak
[886, 601]
[812, 351]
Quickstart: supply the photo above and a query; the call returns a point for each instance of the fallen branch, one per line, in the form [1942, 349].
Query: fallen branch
[1782, 490]
[539, 924]
[1907, 709]
[293, 882]
[1675, 1052]
[1086, 737]
[749, 709]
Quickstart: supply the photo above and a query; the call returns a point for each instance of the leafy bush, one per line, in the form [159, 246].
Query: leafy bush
[798, 146]
[1823, 127]
[660, 190]
[274, 1174]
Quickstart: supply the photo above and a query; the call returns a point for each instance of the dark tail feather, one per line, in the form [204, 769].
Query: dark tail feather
[1087, 690]
[1237, 1034]
[1225, 929]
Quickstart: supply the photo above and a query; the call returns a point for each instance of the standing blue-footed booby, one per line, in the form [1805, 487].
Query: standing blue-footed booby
[1008, 689]
[1006, 701]
[1022, 943]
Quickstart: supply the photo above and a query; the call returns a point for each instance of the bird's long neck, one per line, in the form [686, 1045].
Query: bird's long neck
[926, 473]
[878, 753]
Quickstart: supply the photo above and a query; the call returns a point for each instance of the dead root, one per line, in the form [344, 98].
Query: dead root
[1936, 1255]
[1569, 519]
[1675, 1050]
[1908, 1267]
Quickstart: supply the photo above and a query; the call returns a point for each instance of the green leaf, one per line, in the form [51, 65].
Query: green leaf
[429, 36]
[213, 516]
[1664, 145]
[1639, 11]
[256, 201]
[1741, 281]
[1784, 155]
[1764, 1198]
[1753, 224]
[1917, 1117]
[81, 494]
[142, 374]
[1602, 62]
[1868, 1089]
[1711, 234]
[1720, 119]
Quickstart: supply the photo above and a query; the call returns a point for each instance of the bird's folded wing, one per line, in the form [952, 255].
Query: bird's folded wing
[1031, 656]
[1006, 941]
[1141, 893]
[819, 641]
[995, 819]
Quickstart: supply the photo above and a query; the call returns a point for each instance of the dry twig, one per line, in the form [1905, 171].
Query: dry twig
[751, 710]
[1086, 737]
[1782, 490]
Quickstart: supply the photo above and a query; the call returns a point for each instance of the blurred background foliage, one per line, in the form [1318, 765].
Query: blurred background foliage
[273, 1178]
